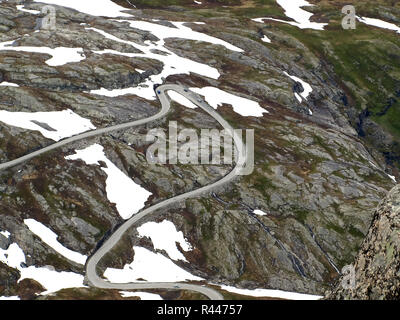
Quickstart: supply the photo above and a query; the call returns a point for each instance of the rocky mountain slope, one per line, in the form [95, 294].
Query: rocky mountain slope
[377, 265]
[322, 163]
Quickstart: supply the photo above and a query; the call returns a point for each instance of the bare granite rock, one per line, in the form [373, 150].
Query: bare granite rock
[377, 266]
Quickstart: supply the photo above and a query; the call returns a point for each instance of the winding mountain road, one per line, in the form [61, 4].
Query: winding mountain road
[92, 277]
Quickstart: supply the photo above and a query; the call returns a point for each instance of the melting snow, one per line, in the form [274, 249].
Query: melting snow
[62, 124]
[8, 84]
[13, 256]
[260, 213]
[272, 293]
[307, 88]
[105, 8]
[216, 97]
[10, 298]
[21, 8]
[60, 55]
[5, 233]
[50, 279]
[165, 236]
[300, 16]
[266, 39]
[128, 196]
[181, 31]
[150, 266]
[173, 64]
[116, 92]
[50, 238]
[141, 295]
[379, 23]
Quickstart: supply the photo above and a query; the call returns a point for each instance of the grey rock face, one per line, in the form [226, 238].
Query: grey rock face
[377, 266]
[4, 242]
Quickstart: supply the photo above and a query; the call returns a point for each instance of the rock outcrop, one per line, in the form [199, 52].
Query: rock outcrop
[377, 266]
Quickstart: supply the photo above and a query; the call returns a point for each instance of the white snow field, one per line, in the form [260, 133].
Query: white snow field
[13, 256]
[141, 295]
[379, 23]
[180, 31]
[9, 298]
[63, 124]
[260, 213]
[216, 97]
[173, 64]
[149, 266]
[293, 9]
[307, 88]
[128, 196]
[50, 279]
[60, 55]
[272, 293]
[105, 8]
[21, 8]
[5, 234]
[8, 84]
[164, 237]
[50, 238]
[266, 39]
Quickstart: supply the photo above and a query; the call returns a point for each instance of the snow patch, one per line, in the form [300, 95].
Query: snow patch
[9, 298]
[300, 16]
[150, 266]
[21, 8]
[180, 31]
[60, 55]
[272, 293]
[5, 233]
[62, 124]
[260, 213]
[8, 84]
[379, 23]
[173, 64]
[13, 256]
[164, 237]
[216, 97]
[128, 196]
[50, 238]
[50, 279]
[115, 92]
[104, 8]
[266, 39]
[141, 295]
[307, 88]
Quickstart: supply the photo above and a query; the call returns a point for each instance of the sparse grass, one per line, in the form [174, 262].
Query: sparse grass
[355, 232]
[336, 228]
[263, 185]
[366, 57]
